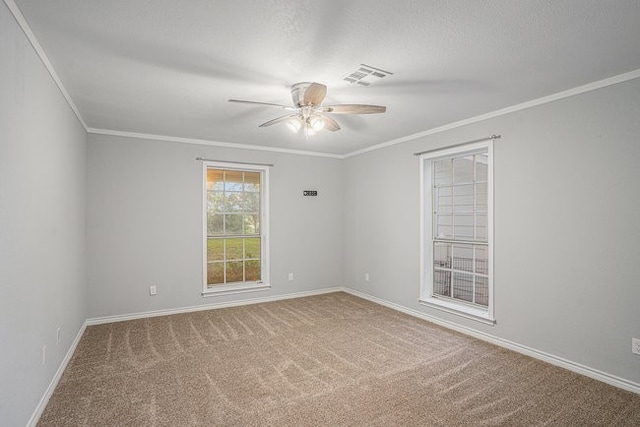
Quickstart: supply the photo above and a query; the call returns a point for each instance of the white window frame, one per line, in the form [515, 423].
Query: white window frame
[427, 296]
[234, 288]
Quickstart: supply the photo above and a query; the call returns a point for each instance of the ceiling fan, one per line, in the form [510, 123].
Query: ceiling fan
[309, 114]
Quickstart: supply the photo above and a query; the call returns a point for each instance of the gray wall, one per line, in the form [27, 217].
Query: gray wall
[567, 229]
[144, 223]
[42, 198]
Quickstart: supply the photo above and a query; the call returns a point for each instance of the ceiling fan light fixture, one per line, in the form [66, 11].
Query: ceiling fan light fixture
[316, 122]
[310, 115]
[308, 131]
[294, 125]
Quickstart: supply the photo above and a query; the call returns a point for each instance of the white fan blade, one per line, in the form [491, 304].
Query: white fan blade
[279, 120]
[353, 109]
[314, 94]
[330, 124]
[270, 104]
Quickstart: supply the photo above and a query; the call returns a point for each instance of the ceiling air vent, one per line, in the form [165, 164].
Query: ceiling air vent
[366, 75]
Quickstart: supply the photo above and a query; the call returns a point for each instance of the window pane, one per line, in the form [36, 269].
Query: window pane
[445, 207]
[252, 270]
[481, 227]
[443, 194]
[234, 201]
[215, 273]
[482, 291]
[215, 249]
[234, 249]
[445, 219]
[482, 166]
[233, 223]
[463, 226]
[251, 224]
[252, 181]
[444, 222]
[463, 198]
[442, 283]
[442, 172]
[215, 225]
[463, 257]
[482, 193]
[445, 191]
[255, 222]
[233, 180]
[234, 271]
[463, 169]
[252, 202]
[442, 255]
[252, 248]
[215, 201]
[444, 231]
[215, 179]
[482, 260]
[462, 285]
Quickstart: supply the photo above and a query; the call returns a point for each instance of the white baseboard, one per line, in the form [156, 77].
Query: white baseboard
[532, 352]
[156, 313]
[35, 417]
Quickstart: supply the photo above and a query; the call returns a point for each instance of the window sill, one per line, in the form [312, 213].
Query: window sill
[461, 310]
[235, 289]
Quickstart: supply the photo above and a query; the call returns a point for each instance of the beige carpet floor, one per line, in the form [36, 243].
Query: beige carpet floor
[332, 359]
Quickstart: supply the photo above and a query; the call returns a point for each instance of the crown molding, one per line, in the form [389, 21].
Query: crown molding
[181, 140]
[26, 29]
[631, 75]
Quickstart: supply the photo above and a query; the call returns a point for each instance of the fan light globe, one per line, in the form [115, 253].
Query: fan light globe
[294, 125]
[308, 131]
[316, 123]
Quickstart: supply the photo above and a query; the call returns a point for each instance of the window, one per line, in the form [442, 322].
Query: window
[457, 229]
[235, 228]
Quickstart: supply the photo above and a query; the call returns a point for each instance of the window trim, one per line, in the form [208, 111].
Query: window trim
[235, 288]
[427, 297]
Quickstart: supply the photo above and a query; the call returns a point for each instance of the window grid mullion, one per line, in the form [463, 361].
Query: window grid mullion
[453, 203]
[475, 201]
[455, 270]
[243, 213]
[462, 184]
[243, 261]
[473, 267]
[224, 261]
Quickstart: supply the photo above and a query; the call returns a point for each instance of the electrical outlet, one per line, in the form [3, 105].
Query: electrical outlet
[366, 277]
[152, 290]
[290, 276]
[635, 346]
[58, 335]
[44, 354]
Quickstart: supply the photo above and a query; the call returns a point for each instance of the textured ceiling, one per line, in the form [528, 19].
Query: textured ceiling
[164, 67]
